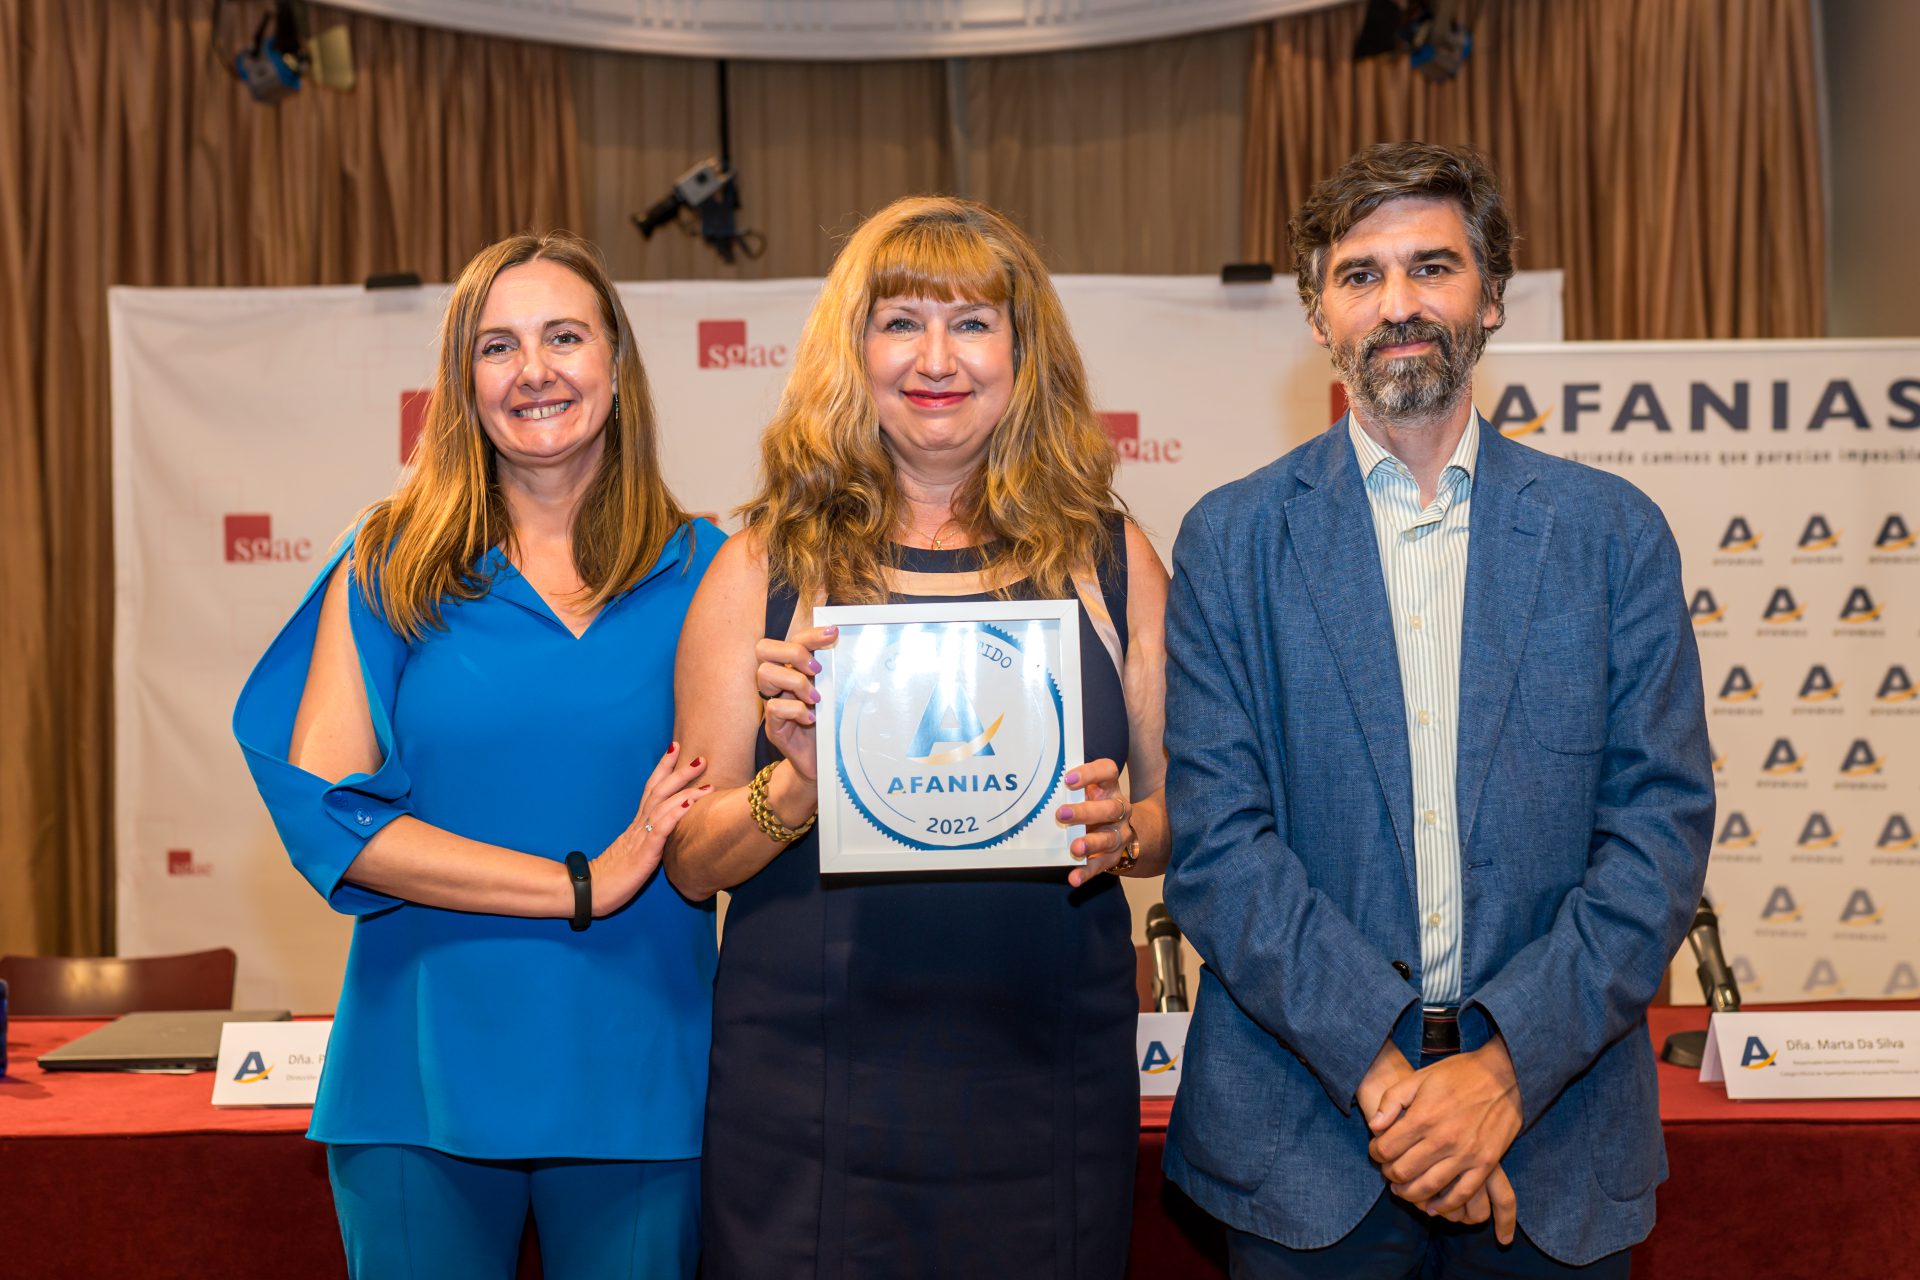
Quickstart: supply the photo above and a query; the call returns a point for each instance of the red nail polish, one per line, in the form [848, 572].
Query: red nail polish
[697, 762]
[706, 786]
[672, 747]
[686, 804]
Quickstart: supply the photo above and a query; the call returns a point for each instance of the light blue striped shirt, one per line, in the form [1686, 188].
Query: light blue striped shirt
[1423, 554]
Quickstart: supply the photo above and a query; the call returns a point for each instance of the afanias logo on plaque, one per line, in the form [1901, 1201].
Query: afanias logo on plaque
[951, 737]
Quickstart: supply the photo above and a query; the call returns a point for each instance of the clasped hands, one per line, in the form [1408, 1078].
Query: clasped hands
[1439, 1133]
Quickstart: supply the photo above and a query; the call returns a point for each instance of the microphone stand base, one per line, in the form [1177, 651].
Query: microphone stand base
[1685, 1049]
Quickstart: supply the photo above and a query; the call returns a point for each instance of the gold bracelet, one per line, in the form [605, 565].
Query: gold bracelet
[1129, 855]
[763, 815]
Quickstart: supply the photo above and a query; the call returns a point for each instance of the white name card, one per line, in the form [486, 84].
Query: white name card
[270, 1064]
[1863, 1054]
[1160, 1047]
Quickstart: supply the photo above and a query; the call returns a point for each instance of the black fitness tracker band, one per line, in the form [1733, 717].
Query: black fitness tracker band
[581, 873]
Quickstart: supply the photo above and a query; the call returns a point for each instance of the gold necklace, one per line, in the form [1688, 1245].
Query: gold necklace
[933, 539]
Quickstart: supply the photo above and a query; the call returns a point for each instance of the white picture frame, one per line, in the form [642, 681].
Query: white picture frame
[945, 731]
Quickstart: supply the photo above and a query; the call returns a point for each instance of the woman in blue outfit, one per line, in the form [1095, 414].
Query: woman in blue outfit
[927, 1075]
[456, 736]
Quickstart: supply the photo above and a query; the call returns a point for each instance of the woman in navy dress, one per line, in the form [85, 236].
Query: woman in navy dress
[468, 700]
[925, 1075]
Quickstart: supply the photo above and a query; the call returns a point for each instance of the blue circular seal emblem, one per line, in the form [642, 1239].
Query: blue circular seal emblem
[952, 736]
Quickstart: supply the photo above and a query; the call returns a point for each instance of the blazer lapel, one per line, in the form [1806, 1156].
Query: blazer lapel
[1330, 528]
[1506, 551]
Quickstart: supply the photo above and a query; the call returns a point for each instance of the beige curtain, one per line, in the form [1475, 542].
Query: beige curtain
[1114, 160]
[128, 155]
[1664, 153]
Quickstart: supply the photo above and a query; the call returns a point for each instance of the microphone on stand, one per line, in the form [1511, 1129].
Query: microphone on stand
[1163, 942]
[1686, 1048]
[1716, 978]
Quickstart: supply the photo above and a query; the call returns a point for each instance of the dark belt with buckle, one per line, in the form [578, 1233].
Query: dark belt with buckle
[1439, 1031]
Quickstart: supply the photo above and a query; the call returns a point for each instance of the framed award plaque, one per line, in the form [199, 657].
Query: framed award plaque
[945, 732]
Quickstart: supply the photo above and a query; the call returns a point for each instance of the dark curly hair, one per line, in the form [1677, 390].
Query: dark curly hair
[1393, 170]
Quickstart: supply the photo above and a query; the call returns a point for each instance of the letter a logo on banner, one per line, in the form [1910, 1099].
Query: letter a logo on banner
[1780, 908]
[1782, 608]
[1515, 406]
[1818, 833]
[1817, 536]
[1739, 537]
[1735, 833]
[1738, 686]
[1819, 685]
[1898, 686]
[1860, 607]
[1902, 981]
[1860, 909]
[1897, 834]
[1782, 759]
[1894, 536]
[1704, 610]
[1860, 760]
[1822, 978]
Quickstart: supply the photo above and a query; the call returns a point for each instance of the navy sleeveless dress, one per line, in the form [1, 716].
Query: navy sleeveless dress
[926, 1076]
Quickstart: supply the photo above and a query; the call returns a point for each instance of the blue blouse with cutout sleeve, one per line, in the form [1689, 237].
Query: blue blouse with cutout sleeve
[488, 1036]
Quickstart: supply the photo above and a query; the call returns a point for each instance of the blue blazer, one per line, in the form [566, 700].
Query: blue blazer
[1585, 807]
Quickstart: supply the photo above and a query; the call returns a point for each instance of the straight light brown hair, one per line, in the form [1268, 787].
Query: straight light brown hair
[422, 545]
[1040, 504]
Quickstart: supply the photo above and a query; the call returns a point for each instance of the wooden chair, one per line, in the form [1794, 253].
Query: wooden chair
[106, 986]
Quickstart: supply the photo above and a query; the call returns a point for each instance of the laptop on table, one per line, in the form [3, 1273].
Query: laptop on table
[175, 1040]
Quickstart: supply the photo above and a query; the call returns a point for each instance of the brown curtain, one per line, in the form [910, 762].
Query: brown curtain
[129, 155]
[1664, 153]
[1123, 159]
[817, 146]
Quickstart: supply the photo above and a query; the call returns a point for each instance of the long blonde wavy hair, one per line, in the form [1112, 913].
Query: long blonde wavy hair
[421, 546]
[1041, 502]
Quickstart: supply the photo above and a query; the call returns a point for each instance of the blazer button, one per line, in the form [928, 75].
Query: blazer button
[362, 817]
[1405, 970]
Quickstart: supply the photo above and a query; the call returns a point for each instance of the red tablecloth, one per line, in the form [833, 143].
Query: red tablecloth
[139, 1177]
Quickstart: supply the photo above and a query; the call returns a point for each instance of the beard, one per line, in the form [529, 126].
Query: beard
[1410, 386]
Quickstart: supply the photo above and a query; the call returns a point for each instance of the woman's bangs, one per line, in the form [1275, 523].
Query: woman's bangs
[943, 261]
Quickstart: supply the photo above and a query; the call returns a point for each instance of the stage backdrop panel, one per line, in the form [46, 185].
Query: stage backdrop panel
[251, 425]
[1790, 472]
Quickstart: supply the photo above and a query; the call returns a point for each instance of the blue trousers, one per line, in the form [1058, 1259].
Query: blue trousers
[1396, 1241]
[425, 1215]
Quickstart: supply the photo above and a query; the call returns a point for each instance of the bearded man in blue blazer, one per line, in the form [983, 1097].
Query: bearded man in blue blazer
[1440, 792]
